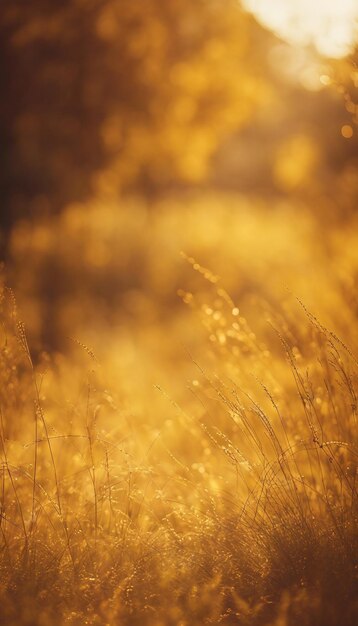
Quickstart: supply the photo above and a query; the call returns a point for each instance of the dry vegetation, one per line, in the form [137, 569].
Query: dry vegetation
[177, 430]
[235, 504]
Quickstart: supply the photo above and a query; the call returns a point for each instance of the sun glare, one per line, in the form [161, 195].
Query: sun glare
[178, 313]
[330, 25]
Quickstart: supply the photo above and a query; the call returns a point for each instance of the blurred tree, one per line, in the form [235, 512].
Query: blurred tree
[105, 97]
[114, 94]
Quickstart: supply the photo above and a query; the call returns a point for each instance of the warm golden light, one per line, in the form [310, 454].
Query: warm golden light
[178, 313]
[330, 25]
[347, 131]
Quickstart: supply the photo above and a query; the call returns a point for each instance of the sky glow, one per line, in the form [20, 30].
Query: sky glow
[330, 25]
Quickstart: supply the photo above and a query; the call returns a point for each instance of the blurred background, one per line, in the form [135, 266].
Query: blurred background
[135, 130]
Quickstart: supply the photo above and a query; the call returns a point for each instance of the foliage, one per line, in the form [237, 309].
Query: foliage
[110, 95]
[241, 510]
[178, 368]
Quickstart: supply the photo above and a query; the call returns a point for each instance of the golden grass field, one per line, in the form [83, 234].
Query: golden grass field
[197, 467]
[178, 313]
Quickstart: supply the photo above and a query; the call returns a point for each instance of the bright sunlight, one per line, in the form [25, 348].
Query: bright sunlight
[178, 313]
[330, 25]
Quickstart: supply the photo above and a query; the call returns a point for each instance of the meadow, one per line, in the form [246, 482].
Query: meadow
[194, 461]
[178, 313]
